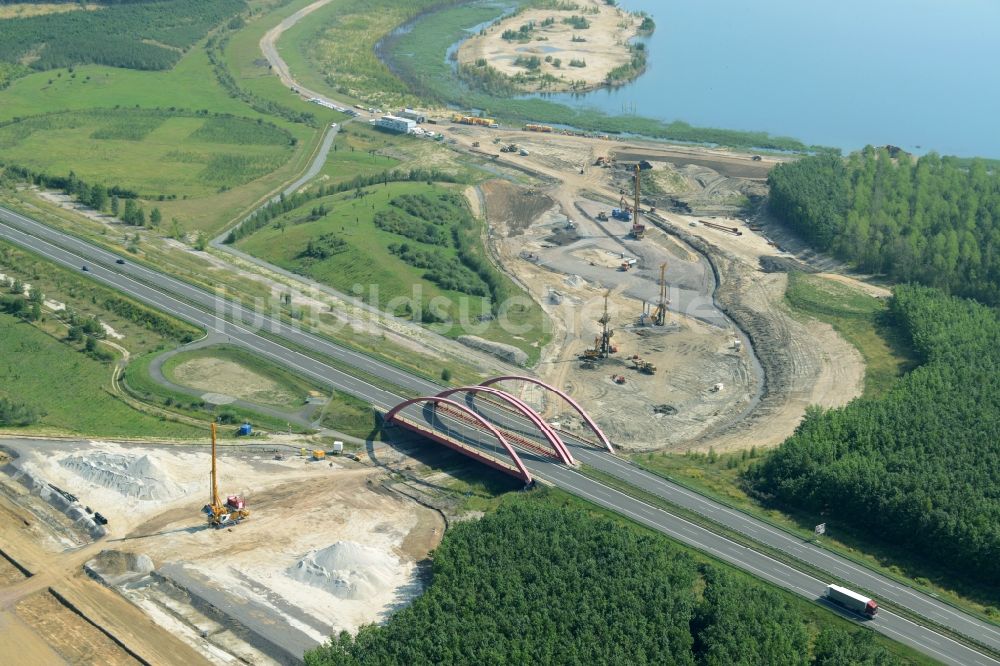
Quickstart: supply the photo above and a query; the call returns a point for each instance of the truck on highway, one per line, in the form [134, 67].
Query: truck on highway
[851, 600]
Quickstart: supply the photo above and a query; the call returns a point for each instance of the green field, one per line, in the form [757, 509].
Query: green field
[358, 258]
[70, 388]
[335, 49]
[154, 153]
[861, 320]
[191, 85]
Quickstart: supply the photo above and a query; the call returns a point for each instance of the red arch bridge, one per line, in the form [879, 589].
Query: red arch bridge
[494, 426]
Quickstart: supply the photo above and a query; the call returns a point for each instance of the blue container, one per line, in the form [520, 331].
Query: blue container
[245, 430]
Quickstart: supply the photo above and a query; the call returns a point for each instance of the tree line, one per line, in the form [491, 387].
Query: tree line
[934, 220]
[537, 583]
[116, 200]
[915, 469]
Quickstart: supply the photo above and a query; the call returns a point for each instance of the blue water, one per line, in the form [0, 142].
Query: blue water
[920, 74]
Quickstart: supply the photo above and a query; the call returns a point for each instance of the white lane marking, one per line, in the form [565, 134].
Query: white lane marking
[184, 287]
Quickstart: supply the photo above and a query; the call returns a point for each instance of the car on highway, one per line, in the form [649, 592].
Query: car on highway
[120, 261]
[84, 268]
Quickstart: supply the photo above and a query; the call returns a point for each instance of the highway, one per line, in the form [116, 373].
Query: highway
[209, 311]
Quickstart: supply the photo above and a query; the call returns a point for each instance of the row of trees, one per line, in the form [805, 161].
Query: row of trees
[916, 468]
[103, 199]
[136, 35]
[935, 220]
[285, 204]
[536, 583]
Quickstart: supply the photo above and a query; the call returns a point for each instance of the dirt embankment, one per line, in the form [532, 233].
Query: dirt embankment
[556, 49]
[804, 363]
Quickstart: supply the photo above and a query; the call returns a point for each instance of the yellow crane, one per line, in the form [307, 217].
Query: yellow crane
[660, 314]
[233, 511]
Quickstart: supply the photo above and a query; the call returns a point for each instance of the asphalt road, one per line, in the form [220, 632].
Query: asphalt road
[207, 310]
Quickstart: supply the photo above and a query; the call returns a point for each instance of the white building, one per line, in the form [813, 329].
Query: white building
[395, 124]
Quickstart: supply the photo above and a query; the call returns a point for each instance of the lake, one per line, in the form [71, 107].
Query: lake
[920, 74]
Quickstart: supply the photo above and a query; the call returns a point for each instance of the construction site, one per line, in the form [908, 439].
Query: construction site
[696, 347]
[669, 327]
[237, 556]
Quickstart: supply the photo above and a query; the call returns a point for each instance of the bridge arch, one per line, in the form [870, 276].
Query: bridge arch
[572, 403]
[524, 474]
[548, 431]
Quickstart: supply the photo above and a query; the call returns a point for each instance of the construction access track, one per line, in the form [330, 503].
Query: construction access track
[279, 342]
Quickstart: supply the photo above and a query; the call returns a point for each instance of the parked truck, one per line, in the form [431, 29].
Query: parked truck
[851, 600]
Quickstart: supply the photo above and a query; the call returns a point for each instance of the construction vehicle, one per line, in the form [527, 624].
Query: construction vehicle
[638, 230]
[475, 144]
[605, 346]
[602, 216]
[509, 148]
[852, 600]
[618, 379]
[319, 454]
[623, 214]
[537, 128]
[220, 515]
[602, 343]
[645, 367]
[628, 264]
[660, 314]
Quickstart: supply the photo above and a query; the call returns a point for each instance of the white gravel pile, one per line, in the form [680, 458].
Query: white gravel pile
[349, 570]
[140, 477]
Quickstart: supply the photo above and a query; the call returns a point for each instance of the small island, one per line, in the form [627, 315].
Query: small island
[557, 46]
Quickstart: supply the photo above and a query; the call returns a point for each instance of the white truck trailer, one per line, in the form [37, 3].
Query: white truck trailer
[851, 600]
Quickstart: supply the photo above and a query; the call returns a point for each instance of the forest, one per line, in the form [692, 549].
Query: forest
[133, 35]
[507, 590]
[916, 468]
[934, 220]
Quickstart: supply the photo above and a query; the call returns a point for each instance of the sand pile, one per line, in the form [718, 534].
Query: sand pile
[140, 477]
[116, 562]
[348, 570]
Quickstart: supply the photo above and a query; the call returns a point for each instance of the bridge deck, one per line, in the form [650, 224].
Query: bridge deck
[452, 443]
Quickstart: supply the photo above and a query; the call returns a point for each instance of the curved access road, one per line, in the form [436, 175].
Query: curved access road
[323, 361]
[269, 47]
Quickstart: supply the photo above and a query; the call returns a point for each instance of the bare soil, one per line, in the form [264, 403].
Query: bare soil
[68, 634]
[299, 506]
[605, 46]
[224, 376]
[800, 363]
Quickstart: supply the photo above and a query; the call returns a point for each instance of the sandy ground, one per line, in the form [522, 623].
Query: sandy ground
[604, 49]
[25, 9]
[224, 376]
[301, 509]
[569, 270]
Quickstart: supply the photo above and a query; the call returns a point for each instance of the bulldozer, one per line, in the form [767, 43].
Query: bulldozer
[220, 515]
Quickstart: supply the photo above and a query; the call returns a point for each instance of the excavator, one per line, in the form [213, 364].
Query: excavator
[220, 515]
